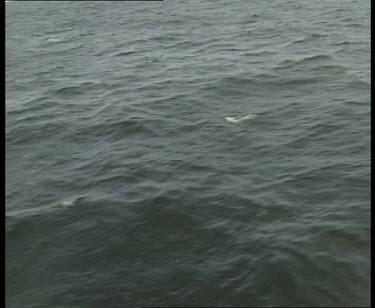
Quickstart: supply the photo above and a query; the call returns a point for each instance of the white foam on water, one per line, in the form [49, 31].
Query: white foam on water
[240, 118]
[54, 40]
[69, 202]
[72, 201]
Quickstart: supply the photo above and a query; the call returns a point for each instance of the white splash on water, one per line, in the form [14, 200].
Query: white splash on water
[240, 118]
[72, 201]
[54, 40]
[44, 209]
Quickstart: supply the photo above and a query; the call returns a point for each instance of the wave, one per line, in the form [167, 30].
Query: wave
[313, 59]
[124, 53]
[239, 119]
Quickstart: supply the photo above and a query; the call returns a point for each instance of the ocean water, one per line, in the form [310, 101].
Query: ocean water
[188, 153]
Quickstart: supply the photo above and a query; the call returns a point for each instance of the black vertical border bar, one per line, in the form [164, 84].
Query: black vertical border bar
[3, 102]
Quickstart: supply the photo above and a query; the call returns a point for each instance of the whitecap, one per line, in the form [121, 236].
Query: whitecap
[240, 118]
[45, 209]
[54, 40]
[72, 201]
[68, 203]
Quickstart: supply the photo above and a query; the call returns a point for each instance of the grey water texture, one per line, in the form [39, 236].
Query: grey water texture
[187, 153]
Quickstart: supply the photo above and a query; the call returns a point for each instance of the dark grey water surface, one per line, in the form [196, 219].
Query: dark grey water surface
[212, 153]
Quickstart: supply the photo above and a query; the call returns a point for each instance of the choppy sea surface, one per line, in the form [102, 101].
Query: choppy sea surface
[188, 153]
